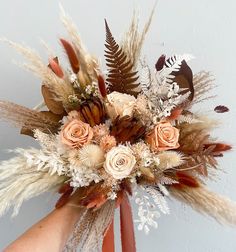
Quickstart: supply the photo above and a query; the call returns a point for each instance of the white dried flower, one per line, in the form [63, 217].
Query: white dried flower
[112, 195]
[83, 176]
[120, 162]
[73, 78]
[120, 104]
[73, 99]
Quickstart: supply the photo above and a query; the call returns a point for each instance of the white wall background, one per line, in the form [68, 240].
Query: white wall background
[203, 28]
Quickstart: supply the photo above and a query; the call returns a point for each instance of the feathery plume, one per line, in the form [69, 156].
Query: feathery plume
[206, 202]
[20, 181]
[133, 39]
[59, 86]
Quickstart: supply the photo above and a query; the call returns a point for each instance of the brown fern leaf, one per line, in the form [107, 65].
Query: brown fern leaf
[120, 77]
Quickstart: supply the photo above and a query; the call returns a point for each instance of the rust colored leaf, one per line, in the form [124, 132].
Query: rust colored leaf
[160, 62]
[102, 86]
[218, 147]
[186, 179]
[221, 109]
[74, 61]
[54, 65]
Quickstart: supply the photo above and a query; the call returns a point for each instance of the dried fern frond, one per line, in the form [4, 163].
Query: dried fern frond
[120, 77]
[89, 231]
[20, 181]
[133, 39]
[206, 202]
[203, 83]
[23, 117]
[60, 87]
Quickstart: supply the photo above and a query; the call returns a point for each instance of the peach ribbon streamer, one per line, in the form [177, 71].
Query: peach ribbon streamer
[126, 229]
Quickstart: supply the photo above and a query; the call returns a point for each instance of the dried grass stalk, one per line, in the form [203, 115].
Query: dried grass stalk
[203, 83]
[21, 116]
[89, 64]
[206, 202]
[133, 39]
[60, 87]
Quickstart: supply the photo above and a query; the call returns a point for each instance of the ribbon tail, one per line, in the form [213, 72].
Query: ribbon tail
[109, 239]
[127, 226]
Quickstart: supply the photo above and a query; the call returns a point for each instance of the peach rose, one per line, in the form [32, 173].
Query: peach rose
[76, 133]
[163, 137]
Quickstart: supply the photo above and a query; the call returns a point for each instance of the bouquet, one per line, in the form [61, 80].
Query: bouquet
[108, 135]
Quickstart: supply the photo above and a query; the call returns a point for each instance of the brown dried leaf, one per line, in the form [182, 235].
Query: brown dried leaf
[54, 106]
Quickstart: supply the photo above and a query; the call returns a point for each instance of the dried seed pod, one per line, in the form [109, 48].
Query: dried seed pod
[92, 111]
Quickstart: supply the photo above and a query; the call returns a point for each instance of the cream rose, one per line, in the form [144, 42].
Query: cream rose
[76, 133]
[120, 104]
[163, 137]
[119, 162]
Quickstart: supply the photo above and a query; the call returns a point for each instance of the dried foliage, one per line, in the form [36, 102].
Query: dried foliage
[120, 77]
[193, 145]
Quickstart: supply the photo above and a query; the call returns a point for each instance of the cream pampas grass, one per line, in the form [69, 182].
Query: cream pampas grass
[134, 39]
[20, 181]
[206, 202]
[60, 87]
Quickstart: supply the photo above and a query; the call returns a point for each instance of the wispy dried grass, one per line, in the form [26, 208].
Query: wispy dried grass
[60, 87]
[23, 117]
[206, 202]
[133, 39]
[89, 64]
[203, 84]
[20, 181]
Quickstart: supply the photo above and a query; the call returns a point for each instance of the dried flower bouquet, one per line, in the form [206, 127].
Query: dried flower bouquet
[105, 137]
